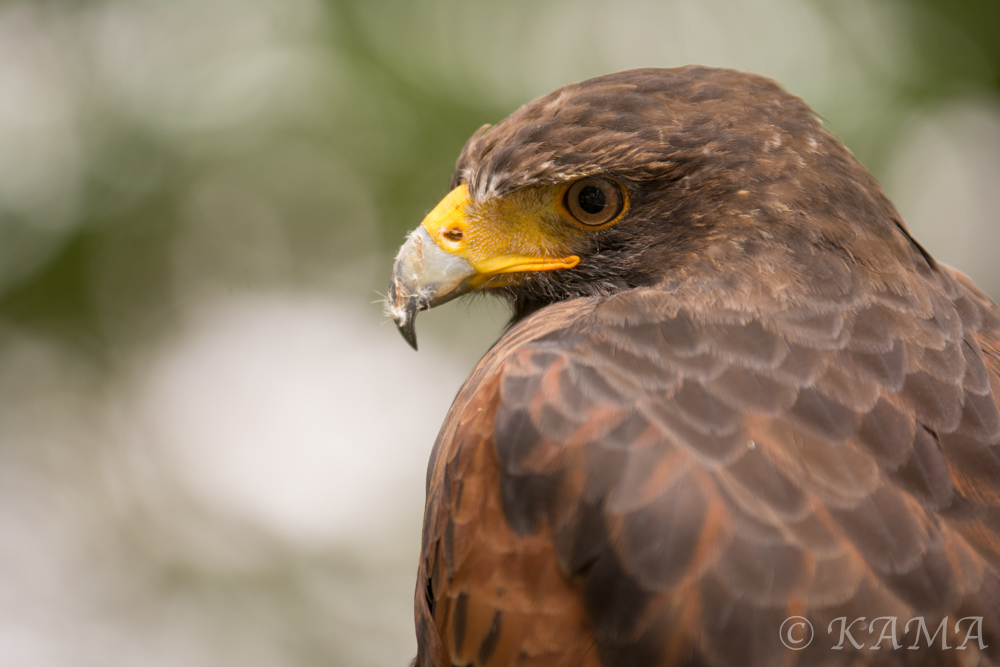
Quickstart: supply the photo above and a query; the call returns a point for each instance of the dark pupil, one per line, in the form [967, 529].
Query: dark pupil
[591, 199]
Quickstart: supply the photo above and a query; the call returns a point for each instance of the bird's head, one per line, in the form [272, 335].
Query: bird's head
[634, 179]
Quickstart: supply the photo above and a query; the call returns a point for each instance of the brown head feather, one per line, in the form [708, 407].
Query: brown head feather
[731, 179]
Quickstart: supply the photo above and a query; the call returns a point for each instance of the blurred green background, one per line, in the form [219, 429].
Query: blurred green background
[212, 446]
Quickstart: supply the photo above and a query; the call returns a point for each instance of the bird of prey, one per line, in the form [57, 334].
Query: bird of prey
[740, 416]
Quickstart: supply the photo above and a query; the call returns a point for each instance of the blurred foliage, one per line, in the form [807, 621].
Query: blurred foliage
[399, 135]
[959, 46]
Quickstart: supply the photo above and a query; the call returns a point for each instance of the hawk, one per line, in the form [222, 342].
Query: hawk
[740, 416]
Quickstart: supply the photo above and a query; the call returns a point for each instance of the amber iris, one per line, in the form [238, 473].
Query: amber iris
[594, 201]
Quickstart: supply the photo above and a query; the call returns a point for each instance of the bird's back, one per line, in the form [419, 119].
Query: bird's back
[644, 480]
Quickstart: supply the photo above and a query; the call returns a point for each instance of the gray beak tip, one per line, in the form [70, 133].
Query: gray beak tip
[403, 311]
[407, 324]
[409, 334]
[423, 276]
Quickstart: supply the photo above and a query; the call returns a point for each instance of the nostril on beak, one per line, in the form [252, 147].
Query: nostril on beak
[453, 234]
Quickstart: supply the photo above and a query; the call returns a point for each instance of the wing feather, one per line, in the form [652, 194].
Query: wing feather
[638, 480]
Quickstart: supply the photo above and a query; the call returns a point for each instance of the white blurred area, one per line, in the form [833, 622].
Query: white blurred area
[262, 409]
[239, 479]
[944, 176]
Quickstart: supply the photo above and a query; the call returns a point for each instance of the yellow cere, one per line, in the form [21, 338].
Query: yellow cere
[526, 230]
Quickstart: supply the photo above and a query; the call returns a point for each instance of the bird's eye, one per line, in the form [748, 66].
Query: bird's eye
[594, 201]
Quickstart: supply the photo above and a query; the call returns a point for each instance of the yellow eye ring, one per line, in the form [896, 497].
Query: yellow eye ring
[594, 202]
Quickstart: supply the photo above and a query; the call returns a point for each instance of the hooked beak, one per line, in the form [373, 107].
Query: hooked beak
[424, 276]
[453, 252]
